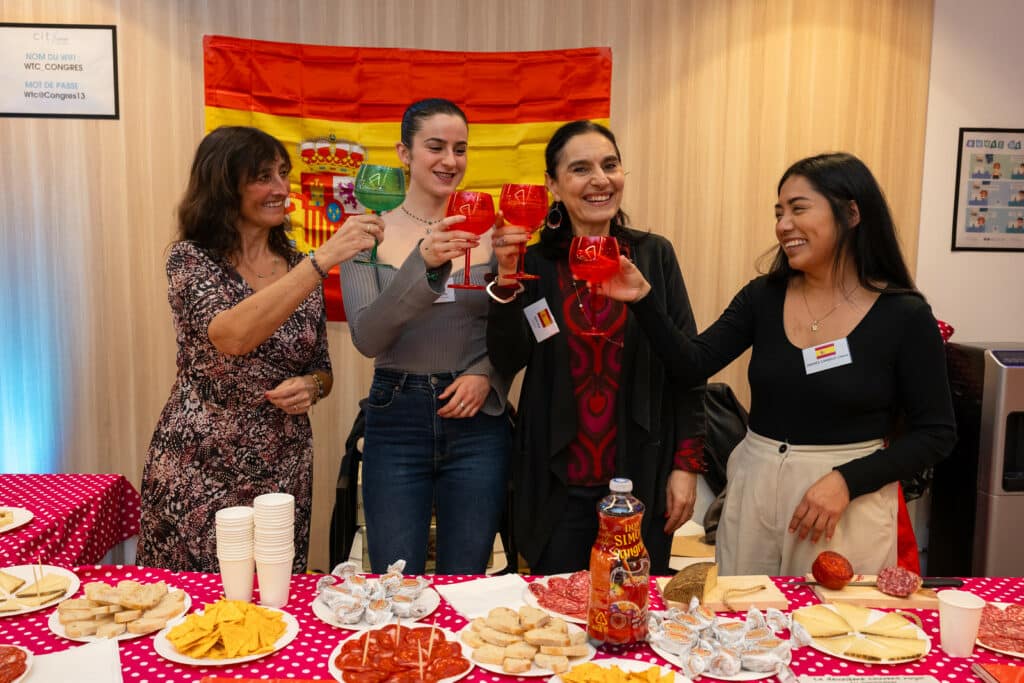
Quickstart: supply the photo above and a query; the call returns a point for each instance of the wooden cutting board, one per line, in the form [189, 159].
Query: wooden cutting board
[769, 596]
[869, 596]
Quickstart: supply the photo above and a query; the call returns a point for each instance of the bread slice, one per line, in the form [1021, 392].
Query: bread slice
[489, 654]
[578, 637]
[124, 616]
[558, 624]
[471, 638]
[556, 663]
[169, 606]
[821, 622]
[566, 650]
[513, 665]
[145, 625]
[144, 597]
[68, 616]
[505, 620]
[79, 629]
[521, 650]
[110, 630]
[10, 582]
[77, 604]
[531, 617]
[546, 636]
[97, 591]
[494, 637]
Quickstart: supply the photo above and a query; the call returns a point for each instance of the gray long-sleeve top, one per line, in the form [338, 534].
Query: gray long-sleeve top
[394, 319]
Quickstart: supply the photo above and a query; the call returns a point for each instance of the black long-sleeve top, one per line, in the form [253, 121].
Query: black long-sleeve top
[895, 383]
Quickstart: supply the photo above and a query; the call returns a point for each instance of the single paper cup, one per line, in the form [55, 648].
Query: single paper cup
[274, 580]
[237, 575]
[959, 619]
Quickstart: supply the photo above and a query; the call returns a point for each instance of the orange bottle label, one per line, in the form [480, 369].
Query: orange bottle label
[619, 575]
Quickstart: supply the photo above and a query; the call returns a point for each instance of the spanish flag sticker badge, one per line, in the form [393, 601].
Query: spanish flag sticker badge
[826, 356]
[541, 320]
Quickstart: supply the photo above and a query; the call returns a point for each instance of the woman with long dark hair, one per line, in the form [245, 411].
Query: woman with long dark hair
[592, 407]
[437, 430]
[252, 352]
[847, 376]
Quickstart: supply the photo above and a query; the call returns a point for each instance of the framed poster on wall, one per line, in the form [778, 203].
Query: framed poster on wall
[58, 71]
[988, 213]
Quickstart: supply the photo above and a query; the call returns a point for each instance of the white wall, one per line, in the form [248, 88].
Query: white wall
[976, 82]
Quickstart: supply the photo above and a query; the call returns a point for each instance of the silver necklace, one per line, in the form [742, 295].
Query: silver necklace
[261, 276]
[816, 322]
[416, 218]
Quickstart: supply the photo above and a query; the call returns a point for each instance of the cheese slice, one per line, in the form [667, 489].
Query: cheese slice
[821, 622]
[899, 649]
[10, 582]
[50, 584]
[837, 645]
[892, 625]
[854, 615]
[6, 518]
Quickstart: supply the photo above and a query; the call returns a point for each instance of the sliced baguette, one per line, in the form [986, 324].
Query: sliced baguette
[565, 650]
[556, 663]
[489, 654]
[514, 665]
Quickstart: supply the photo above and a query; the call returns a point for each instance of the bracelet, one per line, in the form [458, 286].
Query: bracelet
[319, 386]
[316, 267]
[490, 291]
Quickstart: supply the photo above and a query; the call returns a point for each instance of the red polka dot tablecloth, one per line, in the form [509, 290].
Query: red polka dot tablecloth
[77, 518]
[306, 657]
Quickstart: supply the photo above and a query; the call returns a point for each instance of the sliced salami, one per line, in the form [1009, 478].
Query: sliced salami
[898, 581]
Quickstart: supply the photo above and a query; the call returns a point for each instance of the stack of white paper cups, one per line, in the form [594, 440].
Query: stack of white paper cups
[235, 551]
[274, 547]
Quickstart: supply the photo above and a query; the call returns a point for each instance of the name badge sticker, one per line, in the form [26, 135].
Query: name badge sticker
[541, 319]
[826, 356]
[448, 296]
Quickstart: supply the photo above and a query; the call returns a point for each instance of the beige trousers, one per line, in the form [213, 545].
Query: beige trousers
[766, 481]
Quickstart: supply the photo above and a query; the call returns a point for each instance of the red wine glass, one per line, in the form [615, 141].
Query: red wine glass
[594, 258]
[525, 206]
[478, 208]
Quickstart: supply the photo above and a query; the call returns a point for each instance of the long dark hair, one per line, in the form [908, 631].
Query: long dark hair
[555, 240]
[872, 243]
[227, 158]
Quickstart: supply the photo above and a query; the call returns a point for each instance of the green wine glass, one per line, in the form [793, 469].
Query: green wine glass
[379, 188]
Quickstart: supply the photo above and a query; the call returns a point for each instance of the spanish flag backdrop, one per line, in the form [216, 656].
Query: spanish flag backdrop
[336, 107]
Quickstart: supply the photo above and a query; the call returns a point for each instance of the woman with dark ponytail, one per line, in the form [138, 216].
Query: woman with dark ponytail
[592, 407]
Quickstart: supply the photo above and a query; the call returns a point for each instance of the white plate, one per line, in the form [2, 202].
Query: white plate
[428, 600]
[21, 518]
[166, 649]
[530, 599]
[58, 628]
[28, 662]
[875, 616]
[534, 670]
[741, 676]
[24, 571]
[629, 665]
[1009, 653]
[466, 652]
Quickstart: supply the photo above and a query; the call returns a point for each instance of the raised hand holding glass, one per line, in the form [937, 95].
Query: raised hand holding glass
[594, 258]
[478, 208]
[379, 188]
[525, 206]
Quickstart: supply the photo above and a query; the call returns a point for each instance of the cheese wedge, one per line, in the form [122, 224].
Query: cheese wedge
[6, 518]
[821, 622]
[10, 582]
[837, 645]
[898, 649]
[892, 625]
[52, 584]
[854, 615]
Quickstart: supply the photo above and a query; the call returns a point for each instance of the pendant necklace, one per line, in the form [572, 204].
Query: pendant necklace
[416, 218]
[816, 322]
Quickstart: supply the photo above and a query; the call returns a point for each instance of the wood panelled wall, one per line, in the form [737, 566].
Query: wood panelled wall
[711, 100]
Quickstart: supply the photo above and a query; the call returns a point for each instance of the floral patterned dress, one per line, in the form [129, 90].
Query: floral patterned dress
[219, 442]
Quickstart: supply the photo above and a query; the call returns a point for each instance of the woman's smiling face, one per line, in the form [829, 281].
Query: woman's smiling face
[589, 181]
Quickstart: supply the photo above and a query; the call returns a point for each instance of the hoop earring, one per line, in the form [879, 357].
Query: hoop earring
[554, 218]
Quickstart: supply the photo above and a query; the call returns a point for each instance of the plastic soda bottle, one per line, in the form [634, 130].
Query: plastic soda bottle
[619, 570]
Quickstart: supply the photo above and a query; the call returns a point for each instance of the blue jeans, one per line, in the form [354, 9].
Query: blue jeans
[415, 462]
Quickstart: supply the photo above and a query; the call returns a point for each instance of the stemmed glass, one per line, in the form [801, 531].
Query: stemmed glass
[379, 188]
[478, 208]
[526, 206]
[594, 258]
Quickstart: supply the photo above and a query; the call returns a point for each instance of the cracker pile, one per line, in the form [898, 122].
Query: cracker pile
[130, 607]
[517, 641]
